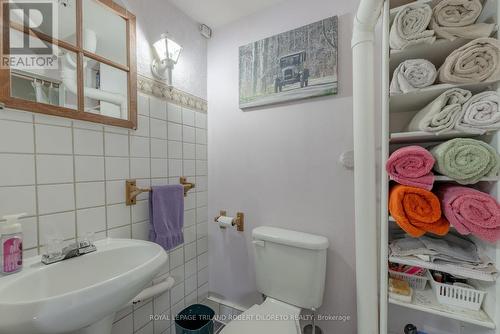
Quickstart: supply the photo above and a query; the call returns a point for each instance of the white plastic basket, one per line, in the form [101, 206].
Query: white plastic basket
[446, 294]
[416, 282]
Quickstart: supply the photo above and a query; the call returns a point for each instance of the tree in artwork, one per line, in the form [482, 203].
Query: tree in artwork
[296, 64]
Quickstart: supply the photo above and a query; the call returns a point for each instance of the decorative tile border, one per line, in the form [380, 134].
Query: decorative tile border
[161, 90]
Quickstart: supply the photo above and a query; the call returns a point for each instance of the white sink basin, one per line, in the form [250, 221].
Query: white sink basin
[73, 294]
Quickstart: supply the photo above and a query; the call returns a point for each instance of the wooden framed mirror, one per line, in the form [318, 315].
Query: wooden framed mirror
[70, 58]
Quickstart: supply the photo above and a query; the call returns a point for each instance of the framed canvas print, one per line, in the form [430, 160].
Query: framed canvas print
[297, 64]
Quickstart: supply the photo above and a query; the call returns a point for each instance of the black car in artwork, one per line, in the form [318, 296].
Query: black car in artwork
[292, 70]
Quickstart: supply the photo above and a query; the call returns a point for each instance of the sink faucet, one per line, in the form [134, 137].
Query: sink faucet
[75, 249]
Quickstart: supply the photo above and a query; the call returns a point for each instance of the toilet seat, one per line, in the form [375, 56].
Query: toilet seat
[270, 317]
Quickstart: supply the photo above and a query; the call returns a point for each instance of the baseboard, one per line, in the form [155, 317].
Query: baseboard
[226, 303]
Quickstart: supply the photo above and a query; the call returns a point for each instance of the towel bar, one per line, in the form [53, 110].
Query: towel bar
[132, 191]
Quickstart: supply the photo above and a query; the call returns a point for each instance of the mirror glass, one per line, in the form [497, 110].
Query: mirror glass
[46, 65]
[104, 32]
[106, 89]
[55, 84]
[66, 13]
[59, 13]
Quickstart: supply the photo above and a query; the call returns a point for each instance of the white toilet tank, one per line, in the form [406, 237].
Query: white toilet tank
[290, 266]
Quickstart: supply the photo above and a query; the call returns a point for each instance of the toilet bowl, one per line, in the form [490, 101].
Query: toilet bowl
[290, 268]
[272, 316]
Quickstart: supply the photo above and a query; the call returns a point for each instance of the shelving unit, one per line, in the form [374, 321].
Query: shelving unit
[416, 100]
[442, 178]
[421, 136]
[425, 301]
[435, 52]
[451, 269]
[397, 110]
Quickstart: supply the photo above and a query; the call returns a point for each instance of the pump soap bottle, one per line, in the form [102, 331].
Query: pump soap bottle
[11, 244]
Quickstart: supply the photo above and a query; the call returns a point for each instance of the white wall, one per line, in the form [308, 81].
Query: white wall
[69, 177]
[155, 17]
[279, 165]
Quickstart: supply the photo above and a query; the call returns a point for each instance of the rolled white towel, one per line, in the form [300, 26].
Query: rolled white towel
[480, 114]
[441, 114]
[456, 18]
[476, 61]
[410, 27]
[412, 74]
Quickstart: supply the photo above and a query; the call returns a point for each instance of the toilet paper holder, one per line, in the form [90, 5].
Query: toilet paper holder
[238, 221]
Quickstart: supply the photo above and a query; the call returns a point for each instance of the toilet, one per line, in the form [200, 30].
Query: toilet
[290, 270]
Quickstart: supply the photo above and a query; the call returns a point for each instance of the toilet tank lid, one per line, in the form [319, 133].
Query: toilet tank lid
[290, 238]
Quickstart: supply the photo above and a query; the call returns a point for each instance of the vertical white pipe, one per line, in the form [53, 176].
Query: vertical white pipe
[365, 190]
[365, 166]
[384, 179]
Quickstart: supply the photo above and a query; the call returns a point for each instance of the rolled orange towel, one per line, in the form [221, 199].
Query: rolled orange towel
[417, 211]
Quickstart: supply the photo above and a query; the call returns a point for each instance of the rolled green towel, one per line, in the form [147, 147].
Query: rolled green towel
[466, 160]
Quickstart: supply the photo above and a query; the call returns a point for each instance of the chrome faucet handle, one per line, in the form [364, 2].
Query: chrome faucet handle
[86, 244]
[75, 249]
[53, 251]
[70, 251]
[86, 247]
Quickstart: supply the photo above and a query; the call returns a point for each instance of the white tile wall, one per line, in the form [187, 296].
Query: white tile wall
[53, 139]
[174, 113]
[89, 168]
[17, 169]
[69, 177]
[23, 132]
[116, 145]
[174, 131]
[88, 142]
[53, 169]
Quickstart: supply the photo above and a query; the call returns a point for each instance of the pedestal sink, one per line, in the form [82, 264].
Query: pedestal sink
[79, 295]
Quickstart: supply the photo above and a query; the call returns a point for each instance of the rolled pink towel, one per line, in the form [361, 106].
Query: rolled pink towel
[411, 166]
[470, 211]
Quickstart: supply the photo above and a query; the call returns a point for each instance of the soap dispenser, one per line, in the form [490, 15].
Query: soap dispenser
[11, 244]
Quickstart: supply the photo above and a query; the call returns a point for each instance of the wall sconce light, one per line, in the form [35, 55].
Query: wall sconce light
[167, 55]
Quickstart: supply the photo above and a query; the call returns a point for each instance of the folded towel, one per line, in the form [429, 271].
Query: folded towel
[484, 271]
[441, 114]
[166, 208]
[480, 114]
[476, 61]
[411, 166]
[471, 211]
[411, 75]
[456, 18]
[408, 246]
[452, 248]
[417, 211]
[466, 160]
[410, 27]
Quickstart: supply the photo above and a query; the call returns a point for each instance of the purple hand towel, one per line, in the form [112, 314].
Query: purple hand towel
[166, 208]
